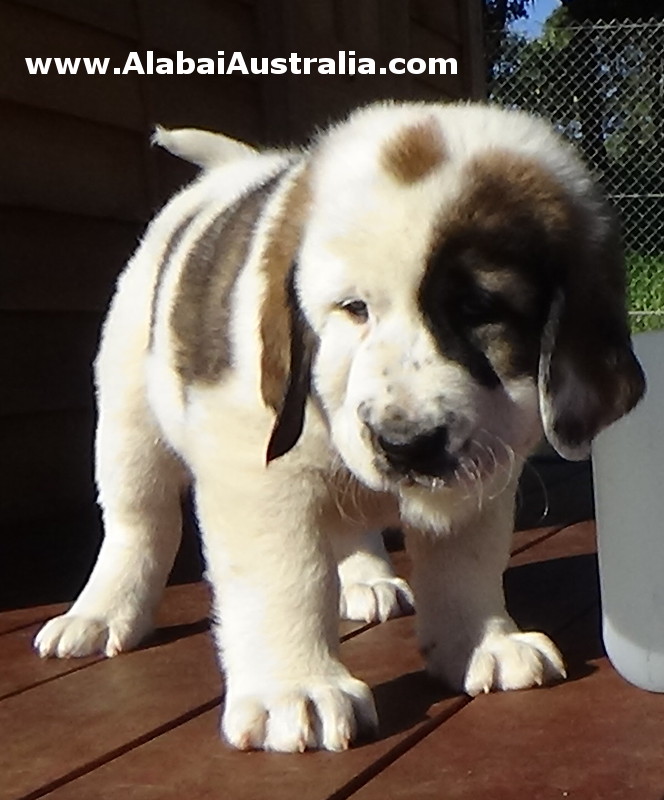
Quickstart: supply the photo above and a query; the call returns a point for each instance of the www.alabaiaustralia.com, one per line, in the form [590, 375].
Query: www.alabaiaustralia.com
[346, 62]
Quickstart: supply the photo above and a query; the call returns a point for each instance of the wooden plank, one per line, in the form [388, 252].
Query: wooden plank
[426, 45]
[46, 553]
[63, 725]
[553, 491]
[229, 104]
[379, 655]
[61, 262]
[183, 612]
[438, 17]
[274, 90]
[473, 51]
[47, 464]
[562, 580]
[52, 161]
[29, 32]
[523, 540]
[172, 174]
[47, 560]
[395, 31]
[410, 706]
[555, 542]
[360, 27]
[593, 737]
[20, 618]
[202, 30]
[107, 702]
[424, 91]
[47, 360]
[115, 16]
[562, 583]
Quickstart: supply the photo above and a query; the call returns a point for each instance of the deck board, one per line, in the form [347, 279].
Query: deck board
[145, 725]
[386, 656]
[183, 612]
[592, 737]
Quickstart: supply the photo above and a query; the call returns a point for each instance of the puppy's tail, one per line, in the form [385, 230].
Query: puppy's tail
[204, 148]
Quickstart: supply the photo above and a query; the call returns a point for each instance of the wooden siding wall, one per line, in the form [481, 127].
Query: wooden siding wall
[78, 181]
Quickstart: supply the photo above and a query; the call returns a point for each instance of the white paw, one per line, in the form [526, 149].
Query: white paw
[513, 661]
[325, 713]
[77, 635]
[376, 600]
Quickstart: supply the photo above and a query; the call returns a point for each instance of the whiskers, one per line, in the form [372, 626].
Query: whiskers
[347, 494]
[487, 468]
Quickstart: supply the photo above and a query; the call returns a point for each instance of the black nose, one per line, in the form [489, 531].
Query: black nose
[425, 453]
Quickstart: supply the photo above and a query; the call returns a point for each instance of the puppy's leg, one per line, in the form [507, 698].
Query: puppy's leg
[139, 484]
[466, 635]
[276, 599]
[369, 588]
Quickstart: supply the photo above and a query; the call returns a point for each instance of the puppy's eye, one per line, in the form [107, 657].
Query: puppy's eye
[479, 307]
[357, 309]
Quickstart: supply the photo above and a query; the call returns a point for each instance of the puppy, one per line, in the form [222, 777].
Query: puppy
[375, 330]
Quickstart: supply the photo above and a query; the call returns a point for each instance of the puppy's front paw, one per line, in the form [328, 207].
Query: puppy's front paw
[376, 600]
[513, 660]
[316, 713]
[78, 635]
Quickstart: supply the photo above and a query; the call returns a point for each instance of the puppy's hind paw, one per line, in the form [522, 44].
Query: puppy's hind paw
[376, 600]
[73, 635]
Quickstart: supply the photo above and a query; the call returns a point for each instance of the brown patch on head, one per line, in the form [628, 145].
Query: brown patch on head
[414, 151]
[496, 254]
[276, 313]
[505, 191]
[201, 310]
[515, 240]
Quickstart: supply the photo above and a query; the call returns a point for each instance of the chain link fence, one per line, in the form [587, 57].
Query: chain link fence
[602, 85]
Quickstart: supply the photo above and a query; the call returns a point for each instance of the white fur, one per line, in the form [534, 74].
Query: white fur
[272, 534]
[201, 147]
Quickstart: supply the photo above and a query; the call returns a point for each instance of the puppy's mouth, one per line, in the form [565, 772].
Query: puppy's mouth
[430, 482]
[418, 462]
[410, 478]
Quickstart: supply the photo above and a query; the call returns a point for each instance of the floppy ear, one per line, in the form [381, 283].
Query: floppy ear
[290, 417]
[288, 343]
[588, 375]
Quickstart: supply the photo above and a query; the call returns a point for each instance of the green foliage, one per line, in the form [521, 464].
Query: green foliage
[500, 13]
[645, 277]
[593, 10]
[601, 86]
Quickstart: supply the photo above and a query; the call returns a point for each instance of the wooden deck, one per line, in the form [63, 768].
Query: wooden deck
[144, 726]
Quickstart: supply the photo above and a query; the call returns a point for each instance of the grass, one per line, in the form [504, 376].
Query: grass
[645, 277]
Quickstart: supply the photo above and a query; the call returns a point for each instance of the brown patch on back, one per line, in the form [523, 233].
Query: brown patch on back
[201, 311]
[171, 245]
[278, 258]
[414, 152]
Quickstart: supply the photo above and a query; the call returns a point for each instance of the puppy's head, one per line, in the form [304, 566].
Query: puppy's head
[463, 286]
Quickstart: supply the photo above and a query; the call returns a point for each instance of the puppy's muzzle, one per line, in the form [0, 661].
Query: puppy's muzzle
[424, 453]
[411, 447]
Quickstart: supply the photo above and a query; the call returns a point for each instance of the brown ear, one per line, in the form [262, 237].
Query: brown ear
[290, 418]
[287, 340]
[588, 376]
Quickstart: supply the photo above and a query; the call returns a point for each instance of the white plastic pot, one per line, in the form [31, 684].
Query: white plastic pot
[628, 468]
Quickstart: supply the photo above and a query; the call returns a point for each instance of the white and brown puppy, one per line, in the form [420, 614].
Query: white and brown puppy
[371, 331]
